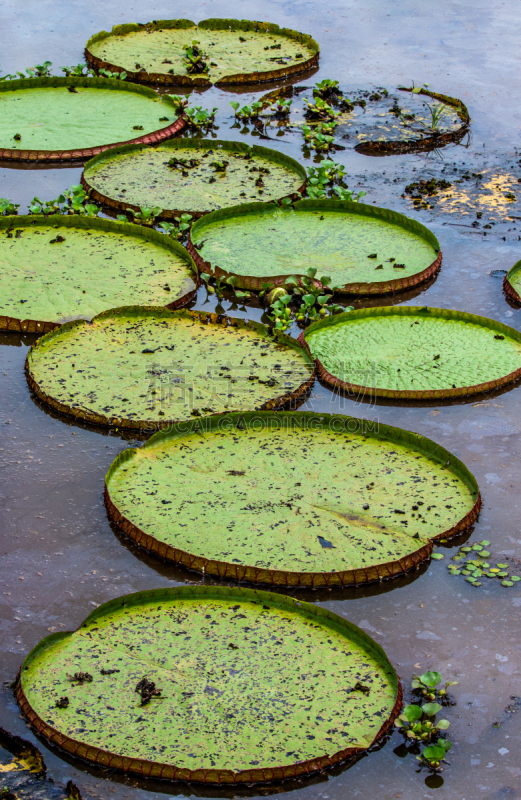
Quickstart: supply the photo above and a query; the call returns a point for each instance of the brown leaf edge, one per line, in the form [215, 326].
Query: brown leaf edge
[151, 769]
[82, 154]
[79, 221]
[254, 283]
[410, 394]
[376, 147]
[289, 399]
[507, 286]
[288, 578]
[188, 144]
[212, 24]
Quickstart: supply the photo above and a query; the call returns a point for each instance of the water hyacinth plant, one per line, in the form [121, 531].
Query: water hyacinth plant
[304, 299]
[195, 59]
[71, 201]
[106, 73]
[146, 215]
[178, 229]
[200, 118]
[79, 71]
[418, 723]
[320, 110]
[7, 208]
[327, 180]
[219, 285]
[247, 112]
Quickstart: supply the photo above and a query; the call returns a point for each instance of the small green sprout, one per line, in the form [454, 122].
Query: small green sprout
[247, 112]
[179, 102]
[326, 88]
[200, 117]
[80, 70]
[7, 208]
[121, 76]
[319, 110]
[195, 59]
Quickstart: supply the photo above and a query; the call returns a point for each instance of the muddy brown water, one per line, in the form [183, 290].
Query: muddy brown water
[61, 557]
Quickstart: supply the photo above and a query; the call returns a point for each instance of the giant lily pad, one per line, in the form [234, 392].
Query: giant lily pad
[147, 367]
[59, 119]
[238, 51]
[414, 353]
[191, 175]
[362, 248]
[236, 673]
[59, 268]
[291, 499]
[512, 283]
[374, 122]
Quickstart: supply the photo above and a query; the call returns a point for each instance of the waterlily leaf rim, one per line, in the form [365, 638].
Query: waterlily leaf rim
[377, 147]
[287, 578]
[207, 24]
[82, 154]
[99, 223]
[267, 153]
[151, 769]
[279, 402]
[254, 282]
[411, 394]
[513, 274]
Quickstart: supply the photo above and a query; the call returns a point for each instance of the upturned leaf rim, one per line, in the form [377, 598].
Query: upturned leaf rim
[241, 148]
[412, 394]
[212, 23]
[324, 205]
[39, 326]
[84, 153]
[225, 570]
[291, 398]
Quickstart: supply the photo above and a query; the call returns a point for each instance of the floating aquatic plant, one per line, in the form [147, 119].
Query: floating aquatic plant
[7, 208]
[418, 722]
[200, 118]
[473, 562]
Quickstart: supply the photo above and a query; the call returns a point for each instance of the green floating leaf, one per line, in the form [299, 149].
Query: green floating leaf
[95, 264]
[408, 352]
[437, 556]
[434, 752]
[442, 724]
[485, 543]
[507, 583]
[165, 366]
[233, 51]
[97, 113]
[139, 175]
[515, 578]
[412, 713]
[356, 532]
[258, 243]
[147, 686]
[431, 709]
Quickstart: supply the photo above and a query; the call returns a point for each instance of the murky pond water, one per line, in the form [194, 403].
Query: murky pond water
[61, 557]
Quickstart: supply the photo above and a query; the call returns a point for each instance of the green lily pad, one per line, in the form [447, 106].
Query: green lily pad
[238, 51]
[134, 176]
[235, 670]
[60, 268]
[261, 243]
[291, 499]
[374, 123]
[507, 583]
[59, 119]
[414, 353]
[512, 282]
[145, 368]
